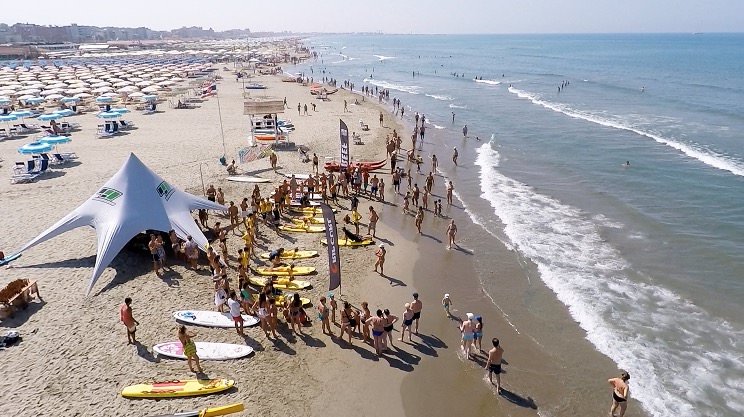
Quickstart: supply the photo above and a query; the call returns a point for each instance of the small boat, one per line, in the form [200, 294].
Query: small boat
[364, 166]
[268, 138]
[255, 87]
[316, 91]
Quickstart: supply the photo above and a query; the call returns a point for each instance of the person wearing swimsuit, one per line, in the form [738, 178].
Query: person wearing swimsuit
[407, 322]
[189, 347]
[323, 316]
[478, 333]
[378, 332]
[467, 334]
[294, 313]
[364, 314]
[620, 394]
[263, 312]
[347, 321]
[390, 320]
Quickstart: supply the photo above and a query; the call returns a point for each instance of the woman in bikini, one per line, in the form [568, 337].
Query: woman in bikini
[348, 321]
[294, 313]
[378, 330]
[390, 320]
[323, 316]
[189, 348]
[620, 394]
[262, 309]
[364, 314]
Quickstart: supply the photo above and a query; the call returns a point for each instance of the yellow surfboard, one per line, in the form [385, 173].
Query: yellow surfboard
[311, 220]
[184, 388]
[208, 412]
[309, 229]
[283, 271]
[315, 210]
[280, 301]
[344, 242]
[282, 284]
[293, 254]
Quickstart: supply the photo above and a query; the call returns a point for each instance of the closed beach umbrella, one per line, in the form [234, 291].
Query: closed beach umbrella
[35, 147]
[50, 116]
[109, 115]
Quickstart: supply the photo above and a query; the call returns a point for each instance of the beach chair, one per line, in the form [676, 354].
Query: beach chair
[126, 124]
[43, 165]
[65, 157]
[29, 174]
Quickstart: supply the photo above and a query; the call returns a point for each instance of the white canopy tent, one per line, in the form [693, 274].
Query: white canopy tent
[135, 199]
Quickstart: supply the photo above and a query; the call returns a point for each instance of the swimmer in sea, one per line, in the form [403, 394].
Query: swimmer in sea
[626, 164]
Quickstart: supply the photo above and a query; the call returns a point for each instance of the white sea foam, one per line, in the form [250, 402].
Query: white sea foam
[489, 82]
[383, 57]
[706, 156]
[411, 89]
[440, 97]
[457, 106]
[436, 126]
[646, 329]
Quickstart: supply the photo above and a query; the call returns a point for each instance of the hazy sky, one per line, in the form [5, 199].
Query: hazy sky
[392, 16]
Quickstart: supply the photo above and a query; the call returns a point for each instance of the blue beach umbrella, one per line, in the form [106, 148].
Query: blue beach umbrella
[21, 113]
[50, 116]
[69, 99]
[35, 100]
[104, 100]
[109, 115]
[64, 112]
[35, 147]
[54, 140]
[8, 117]
[150, 97]
[4, 101]
[120, 111]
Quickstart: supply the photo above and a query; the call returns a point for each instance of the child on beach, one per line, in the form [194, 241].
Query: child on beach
[407, 322]
[446, 303]
[478, 333]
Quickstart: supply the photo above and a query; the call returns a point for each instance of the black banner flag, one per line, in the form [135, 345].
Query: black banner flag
[334, 260]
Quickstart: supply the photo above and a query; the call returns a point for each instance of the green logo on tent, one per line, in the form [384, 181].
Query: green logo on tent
[108, 195]
[165, 190]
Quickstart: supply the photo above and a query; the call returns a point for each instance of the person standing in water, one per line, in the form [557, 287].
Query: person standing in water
[465, 131]
[454, 155]
[620, 394]
[493, 364]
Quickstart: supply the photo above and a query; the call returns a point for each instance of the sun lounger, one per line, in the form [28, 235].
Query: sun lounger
[126, 124]
[27, 175]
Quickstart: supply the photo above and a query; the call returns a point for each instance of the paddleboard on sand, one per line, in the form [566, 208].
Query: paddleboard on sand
[315, 210]
[184, 388]
[282, 284]
[293, 254]
[344, 242]
[245, 178]
[212, 318]
[283, 271]
[208, 412]
[309, 229]
[298, 176]
[311, 220]
[205, 350]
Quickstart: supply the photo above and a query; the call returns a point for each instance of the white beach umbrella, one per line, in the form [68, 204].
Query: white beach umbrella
[102, 90]
[83, 95]
[54, 96]
[151, 89]
[136, 94]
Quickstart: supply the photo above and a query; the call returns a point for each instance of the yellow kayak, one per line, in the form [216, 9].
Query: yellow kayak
[209, 412]
[184, 388]
[280, 301]
[281, 283]
[311, 220]
[283, 271]
[315, 210]
[344, 242]
[309, 229]
[293, 254]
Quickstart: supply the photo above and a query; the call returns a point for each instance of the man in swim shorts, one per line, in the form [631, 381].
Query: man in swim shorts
[416, 307]
[125, 314]
[493, 364]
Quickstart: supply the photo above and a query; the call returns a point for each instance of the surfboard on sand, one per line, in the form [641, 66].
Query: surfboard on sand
[282, 284]
[344, 242]
[212, 318]
[302, 229]
[208, 412]
[284, 271]
[292, 254]
[247, 178]
[184, 388]
[205, 350]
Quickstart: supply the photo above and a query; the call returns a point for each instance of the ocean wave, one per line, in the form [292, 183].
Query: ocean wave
[708, 157]
[457, 106]
[645, 328]
[411, 89]
[440, 97]
[383, 57]
[489, 82]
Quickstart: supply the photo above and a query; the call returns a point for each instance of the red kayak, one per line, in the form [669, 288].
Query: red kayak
[364, 166]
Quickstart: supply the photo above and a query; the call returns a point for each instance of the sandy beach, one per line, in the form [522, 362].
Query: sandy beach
[74, 359]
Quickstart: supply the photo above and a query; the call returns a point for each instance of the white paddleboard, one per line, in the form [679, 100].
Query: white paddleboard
[212, 318]
[245, 178]
[205, 350]
[298, 176]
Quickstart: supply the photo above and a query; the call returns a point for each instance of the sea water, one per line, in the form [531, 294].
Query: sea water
[646, 257]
